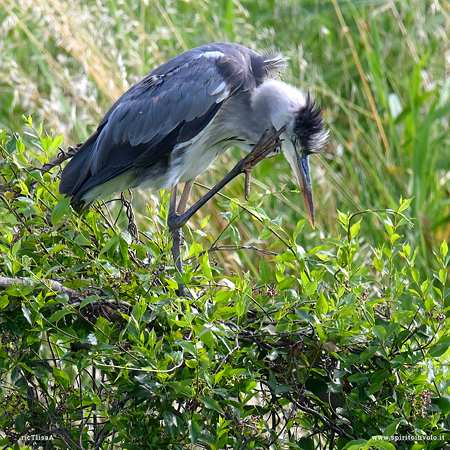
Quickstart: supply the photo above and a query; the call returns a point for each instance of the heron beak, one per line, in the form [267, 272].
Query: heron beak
[304, 178]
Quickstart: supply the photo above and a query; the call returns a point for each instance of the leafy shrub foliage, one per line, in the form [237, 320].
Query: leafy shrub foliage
[338, 346]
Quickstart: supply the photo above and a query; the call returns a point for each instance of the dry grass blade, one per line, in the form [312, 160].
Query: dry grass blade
[363, 77]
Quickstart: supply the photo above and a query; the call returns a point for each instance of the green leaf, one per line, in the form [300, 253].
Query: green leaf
[368, 353]
[57, 142]
[417, 446]
[285, 284]
[378, 263]
[110, 244]
[354, 230]
[385, 445]
[123, 249]
[343, 218]
[234, 235]
[191, 363]
[21, 160]
[404, 204]
[407, 250]
[298, 229]
[379, 331]
[415, 274]
[195, 249]
[211, 403]
[264, 271]
[444, 404]
[152, 339]
[440, 347]
[265, 234]
[223, 296]
[4, 301]
[240, 307]
[392, 427]
[27, 314]
[20, 422]
[87, 300]
[16, 247]
[19, 290]
[311, 288]
[205, 266]
[61, 377]
[205, 221]
[46, 143]
[194, 431]
[82, 239]
[10, 146]
[444, 249]
[320, 332]
[407, 407]
[58, 314]
[322, 305]
[206, 336]
[60, 211]
[28, 120]
[429, 304]
[425, 287]
[62, 299]
[357, 444]
[189, 347]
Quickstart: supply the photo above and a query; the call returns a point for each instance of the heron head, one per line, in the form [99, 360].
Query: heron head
[305, 135]
[305, 131]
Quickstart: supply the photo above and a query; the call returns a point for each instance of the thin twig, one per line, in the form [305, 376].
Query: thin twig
[224, 360]
[321, 417]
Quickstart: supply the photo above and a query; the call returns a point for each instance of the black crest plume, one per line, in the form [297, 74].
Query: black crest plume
[309, 127]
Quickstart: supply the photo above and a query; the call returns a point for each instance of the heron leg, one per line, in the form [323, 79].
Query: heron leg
[177, 233]
[177, 237]
[185, 196]
[264, 147]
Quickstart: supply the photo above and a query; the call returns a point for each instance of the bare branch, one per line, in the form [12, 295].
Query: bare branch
[53, 285]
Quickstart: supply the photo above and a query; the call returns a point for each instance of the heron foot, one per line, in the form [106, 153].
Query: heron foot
[263, 148]
[176, 221]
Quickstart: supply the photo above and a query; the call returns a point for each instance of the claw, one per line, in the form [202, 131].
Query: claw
[259, 152]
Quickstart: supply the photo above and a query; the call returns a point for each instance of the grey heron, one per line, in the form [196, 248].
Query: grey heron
[170, 126]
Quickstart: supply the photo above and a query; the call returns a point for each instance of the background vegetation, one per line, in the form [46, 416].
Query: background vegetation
[335, 337]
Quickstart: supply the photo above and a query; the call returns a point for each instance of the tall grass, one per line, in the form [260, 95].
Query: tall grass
[379, 68]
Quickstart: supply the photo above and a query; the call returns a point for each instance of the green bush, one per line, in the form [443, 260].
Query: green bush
[329, 347]
[292, 337]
